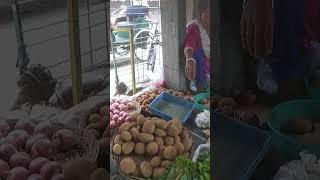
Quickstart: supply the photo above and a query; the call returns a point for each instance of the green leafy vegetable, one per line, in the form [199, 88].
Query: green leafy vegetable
[185, 169]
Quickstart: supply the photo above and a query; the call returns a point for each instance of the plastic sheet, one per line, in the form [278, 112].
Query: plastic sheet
[308, 168]
[265, 80]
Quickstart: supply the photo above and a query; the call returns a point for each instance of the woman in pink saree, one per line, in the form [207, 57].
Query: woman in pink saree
[197, 49]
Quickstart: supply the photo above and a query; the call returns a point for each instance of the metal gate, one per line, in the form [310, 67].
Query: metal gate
[43, 38]
[134, 65]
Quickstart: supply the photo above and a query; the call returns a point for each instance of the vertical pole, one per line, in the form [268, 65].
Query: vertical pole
[133, 71]
[23, 58]
[75, 54]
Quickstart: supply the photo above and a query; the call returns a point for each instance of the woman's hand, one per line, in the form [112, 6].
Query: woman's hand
[257, 27]
[190, 69]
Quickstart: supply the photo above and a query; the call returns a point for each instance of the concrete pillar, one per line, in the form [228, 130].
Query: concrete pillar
[173, 21]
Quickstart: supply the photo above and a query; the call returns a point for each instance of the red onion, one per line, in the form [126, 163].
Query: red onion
[6, 151]
[20, 159]
[4, 168]
[28, 126]
[17, 173]
[35, 177]
[36, 164]
[50, 169]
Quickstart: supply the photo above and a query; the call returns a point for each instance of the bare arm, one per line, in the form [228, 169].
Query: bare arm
[188, 53]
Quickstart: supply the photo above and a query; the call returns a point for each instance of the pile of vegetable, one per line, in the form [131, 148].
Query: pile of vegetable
[305, 129]
[146, 146]
[226, 105]
[205, 102]
[185, 169]
[120, 111]
[98, 125]
[203, 120]
[34, 151]
[147, 97]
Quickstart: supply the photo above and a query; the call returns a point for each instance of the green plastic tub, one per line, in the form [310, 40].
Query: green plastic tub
[281, 114]
[313, 93]
[197, 99]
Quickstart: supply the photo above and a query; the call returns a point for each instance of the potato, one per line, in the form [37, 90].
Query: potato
[145, 137]
[166, 163]
[139, 128]
[124, 127]
[149, 127]
[157, 172]
[159, 140]
[177, 139]
[299, 126]
[116, 149]
[146, 169]
[140, 148]
[155, 161]
[137, 172]
[127, 165]
[71, 169]
[125, 136]
[127, 147]
[93, 118]
[170, 153]
[141, 119]
[99, 174]
[184, 133]
[180, 147]
[118, 140]
[133, 124]
[152, 148]
[161, 151]
[134, 132]
[160, 132]
[168, 141]
[172, 130]
[177, 123]
[187, 143]
[313, 138]
[162, 124]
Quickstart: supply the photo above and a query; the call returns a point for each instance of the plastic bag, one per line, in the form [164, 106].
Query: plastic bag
[265, 80]
[308, 168]
[202, 148]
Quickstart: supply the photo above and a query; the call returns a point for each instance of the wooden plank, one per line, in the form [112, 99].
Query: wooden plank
[75, 53]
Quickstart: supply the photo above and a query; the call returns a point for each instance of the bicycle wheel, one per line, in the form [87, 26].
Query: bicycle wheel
[142, 42]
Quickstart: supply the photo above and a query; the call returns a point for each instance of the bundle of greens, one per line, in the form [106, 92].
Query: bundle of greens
[185, 169]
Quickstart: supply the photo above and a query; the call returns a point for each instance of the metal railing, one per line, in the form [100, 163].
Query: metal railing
[47, 42]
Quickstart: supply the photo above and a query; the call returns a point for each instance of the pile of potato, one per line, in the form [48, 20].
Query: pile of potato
[98, 125]
[226, 105]
[306, 129]
[147, 145]
[147, 97]
[205, 102]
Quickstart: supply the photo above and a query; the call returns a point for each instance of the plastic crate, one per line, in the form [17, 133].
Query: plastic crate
[178, 107]
[238, 147]
[197, 98]
[281, 114]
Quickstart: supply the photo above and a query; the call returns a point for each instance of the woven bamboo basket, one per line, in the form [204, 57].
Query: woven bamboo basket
[117, 158]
